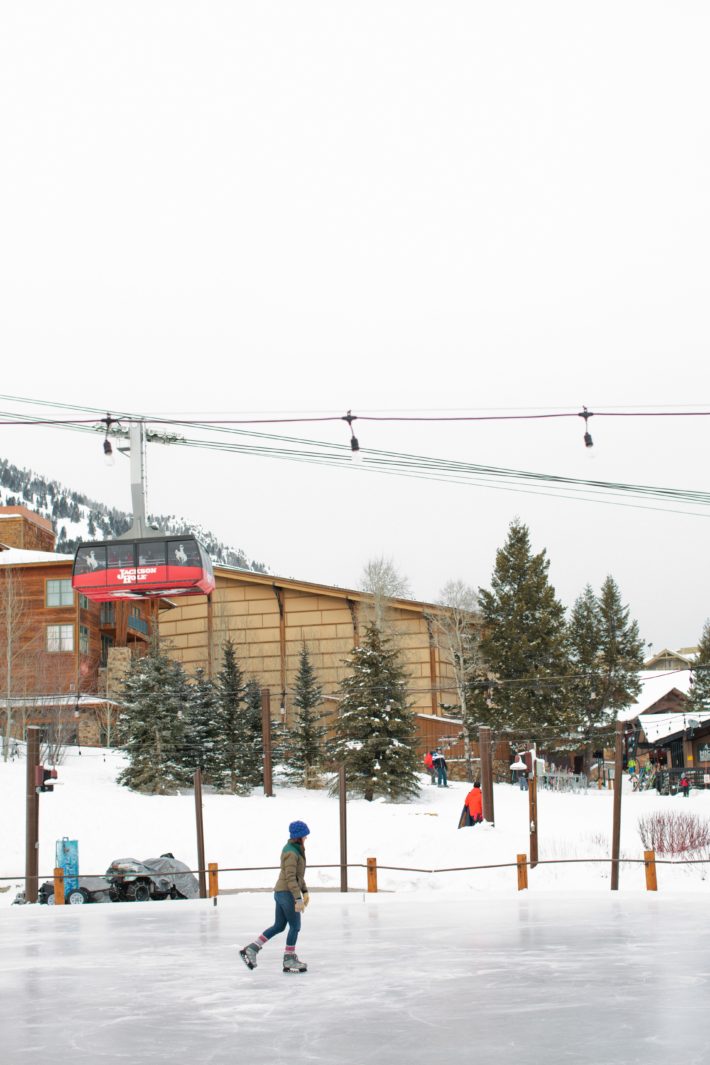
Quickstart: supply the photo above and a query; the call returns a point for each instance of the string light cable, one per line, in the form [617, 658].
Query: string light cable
[317, 452]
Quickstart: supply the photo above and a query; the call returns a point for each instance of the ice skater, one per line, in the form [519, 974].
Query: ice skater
[291, 896]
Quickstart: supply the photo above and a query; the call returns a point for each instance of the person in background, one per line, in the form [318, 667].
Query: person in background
[291, 897]
[472, 813]
[429, 766]
[685, 785]
[440, 766]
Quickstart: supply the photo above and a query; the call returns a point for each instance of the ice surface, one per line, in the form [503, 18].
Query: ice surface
[614, 979]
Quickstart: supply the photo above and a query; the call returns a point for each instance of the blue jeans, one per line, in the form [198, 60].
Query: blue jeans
[441, 770]
[285, 915]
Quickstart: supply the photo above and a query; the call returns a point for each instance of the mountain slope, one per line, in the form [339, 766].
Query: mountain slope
[76, 518]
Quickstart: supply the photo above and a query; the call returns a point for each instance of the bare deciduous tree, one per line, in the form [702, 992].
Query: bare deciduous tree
[383, 580]
[457, 632]
[15, 626]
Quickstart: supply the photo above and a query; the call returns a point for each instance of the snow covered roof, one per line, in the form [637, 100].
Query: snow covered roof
[17, 556]
[37, 701]
[659, 726]
[654, 686]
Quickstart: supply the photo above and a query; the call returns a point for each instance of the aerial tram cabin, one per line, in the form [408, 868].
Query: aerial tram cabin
[142, 568]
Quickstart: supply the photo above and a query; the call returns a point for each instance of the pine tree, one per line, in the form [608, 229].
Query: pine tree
[237, 754]
[204, 731]
[156, 695]
[375, 730]
[306, 739]
[254, 743]
[700, 692]
[523, 643]
[607, 652]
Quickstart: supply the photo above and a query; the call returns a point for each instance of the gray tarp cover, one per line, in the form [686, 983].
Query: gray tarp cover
[174, 871]
[184, 881]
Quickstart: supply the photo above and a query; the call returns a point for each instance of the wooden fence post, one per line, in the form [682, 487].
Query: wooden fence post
[522, 872]
[372, 874]
[650, 865]
[59, 899]
[214, 881]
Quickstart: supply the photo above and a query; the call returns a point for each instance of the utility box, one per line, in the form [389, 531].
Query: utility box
[67, 855]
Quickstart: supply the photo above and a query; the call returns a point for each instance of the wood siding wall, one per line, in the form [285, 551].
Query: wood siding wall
[270, 622]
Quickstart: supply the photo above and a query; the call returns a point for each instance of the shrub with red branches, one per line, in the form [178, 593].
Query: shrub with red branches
[674, 832]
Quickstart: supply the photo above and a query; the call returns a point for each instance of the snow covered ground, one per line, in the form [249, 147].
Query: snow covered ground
[111, 822]
[453, 967]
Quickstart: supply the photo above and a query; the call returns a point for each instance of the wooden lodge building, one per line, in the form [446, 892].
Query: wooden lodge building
[271, 618]
[55, 644]
[68, 653]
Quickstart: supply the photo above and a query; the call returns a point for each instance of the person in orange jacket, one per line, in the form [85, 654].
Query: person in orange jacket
[472, 813]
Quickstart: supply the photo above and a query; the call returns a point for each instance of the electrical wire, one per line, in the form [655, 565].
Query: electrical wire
[423, 467]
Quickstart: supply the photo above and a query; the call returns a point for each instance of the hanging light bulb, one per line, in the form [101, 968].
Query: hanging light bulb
[355, 454]
[109, 457]
[588, 442]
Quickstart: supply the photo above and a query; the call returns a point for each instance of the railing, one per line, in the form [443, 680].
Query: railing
[138, 623]
[521, 865]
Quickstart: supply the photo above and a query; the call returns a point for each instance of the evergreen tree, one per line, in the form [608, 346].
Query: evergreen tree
[523, 643]
[375, 730]
[237, 753]
[204, 732]
[700, 692]
[156, 696]
[254, 748]
[306, 740]
[607, 652]
[585, 641]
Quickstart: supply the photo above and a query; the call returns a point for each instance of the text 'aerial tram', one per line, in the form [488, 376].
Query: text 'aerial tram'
[139, 564]
[144, 568]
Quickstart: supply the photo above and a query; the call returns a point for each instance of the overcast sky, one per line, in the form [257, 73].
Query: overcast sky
[399, 207]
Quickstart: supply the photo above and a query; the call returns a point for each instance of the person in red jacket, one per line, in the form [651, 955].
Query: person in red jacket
[472, 813]
[429, 766]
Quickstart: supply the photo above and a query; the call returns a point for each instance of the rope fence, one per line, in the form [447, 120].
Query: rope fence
[521, 864]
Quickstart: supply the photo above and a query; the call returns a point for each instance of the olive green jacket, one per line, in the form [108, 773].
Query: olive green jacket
[293, 870]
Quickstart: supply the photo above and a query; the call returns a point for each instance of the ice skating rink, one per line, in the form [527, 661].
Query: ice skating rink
[400, 978]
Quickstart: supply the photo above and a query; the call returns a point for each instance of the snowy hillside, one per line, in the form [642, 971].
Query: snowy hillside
[75, 517]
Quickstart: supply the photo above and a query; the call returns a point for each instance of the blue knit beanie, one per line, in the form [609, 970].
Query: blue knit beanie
[298, 829]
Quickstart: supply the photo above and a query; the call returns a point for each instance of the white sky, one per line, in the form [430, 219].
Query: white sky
[396, 206]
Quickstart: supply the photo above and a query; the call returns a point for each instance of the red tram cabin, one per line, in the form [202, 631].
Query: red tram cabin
[142, 569]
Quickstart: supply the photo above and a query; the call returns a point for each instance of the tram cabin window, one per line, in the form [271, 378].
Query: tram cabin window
[151, 553]
[121, 556]
[184, 553]
[90, 559]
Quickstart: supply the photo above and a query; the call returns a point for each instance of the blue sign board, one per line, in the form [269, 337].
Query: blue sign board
[67, 853]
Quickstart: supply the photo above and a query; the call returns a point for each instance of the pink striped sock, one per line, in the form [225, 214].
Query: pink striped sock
[261, 939]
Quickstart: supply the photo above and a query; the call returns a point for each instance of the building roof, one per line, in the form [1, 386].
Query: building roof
[73, 700]
[657, 727]
[683, 654]
[28, 515]
[655, 685]
[17, 556]
[251, 577]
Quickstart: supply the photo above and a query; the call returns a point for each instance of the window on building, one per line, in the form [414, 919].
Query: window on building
[84, 639]
[106, 645]
[83, 602]
[60, 638]
[59, 593]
